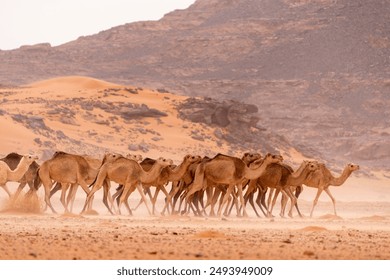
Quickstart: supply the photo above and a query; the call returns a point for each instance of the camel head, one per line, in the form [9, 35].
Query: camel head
[353, 167]
[164, 162]
[192, 159]
[110, 157]
[311, 165]
[30, 158]
[270, 158]
[134, 157]
[250, 157]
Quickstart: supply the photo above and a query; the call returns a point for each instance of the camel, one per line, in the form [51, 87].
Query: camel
[146, 165]
[168, 174]
[247, 158]
[67, 170]
[288, 179]
[13, 160]
[322, 179]
[7, 174]
[180, 188]
[130, 174]
[230, 171]
[172, 175]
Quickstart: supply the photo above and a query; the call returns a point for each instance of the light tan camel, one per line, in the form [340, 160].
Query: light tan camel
[220, 190]
[288, 180]
[322, 178]
[171, 175]
[181, 187]
[230, 171]
[168, 174]
[67, 170]
[7, 175]
[270, 179]
[130, 174]
[146, 165]
[94, 165]
[12, 160]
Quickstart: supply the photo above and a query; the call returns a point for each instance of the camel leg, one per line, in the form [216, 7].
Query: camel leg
[333, 200]
[64, 188]
[298, 191]
[126, 191]
[178, 197]
[47, 186]
[319, 191]
[239, 188]
[154, 199]
[89, 198]
[183, 198]
[225, 199]
[293, 200]
[109, 199]
[191, 204]
[171, 194]
[234, 202]
[164, 190]
[195, 204]
[140, 190]
[106, 194]
[214, 201]
[283, 204]
[57, 187]
[270, 195]
[19, 189]
[117, 195]
[250, 198]
[260, 200]
[71, 196]
[273, 202]
[146, 191]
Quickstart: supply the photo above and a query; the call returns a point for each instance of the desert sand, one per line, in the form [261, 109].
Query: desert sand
[361, 232]
[28, 231]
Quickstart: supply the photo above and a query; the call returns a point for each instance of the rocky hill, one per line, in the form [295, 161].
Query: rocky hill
[317, 70]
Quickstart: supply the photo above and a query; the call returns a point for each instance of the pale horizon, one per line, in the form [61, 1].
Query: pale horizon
[24, 22]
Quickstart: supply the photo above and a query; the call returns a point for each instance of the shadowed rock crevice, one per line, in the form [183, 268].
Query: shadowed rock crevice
[233, 121]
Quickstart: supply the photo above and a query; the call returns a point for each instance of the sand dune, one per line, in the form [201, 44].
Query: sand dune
[85, 115]
[73, 82]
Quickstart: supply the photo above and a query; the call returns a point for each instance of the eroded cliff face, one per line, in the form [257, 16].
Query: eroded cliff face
[232, 121]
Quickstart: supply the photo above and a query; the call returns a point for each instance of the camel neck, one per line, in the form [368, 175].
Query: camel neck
[252, 174]
[19, 171]
[298, 177]
[150, 176]
[179, 171]
[338, 181]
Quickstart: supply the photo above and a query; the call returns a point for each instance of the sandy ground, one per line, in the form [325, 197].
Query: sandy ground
[362, 231]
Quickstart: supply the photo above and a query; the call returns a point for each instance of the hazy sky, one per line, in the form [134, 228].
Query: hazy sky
[27, 22]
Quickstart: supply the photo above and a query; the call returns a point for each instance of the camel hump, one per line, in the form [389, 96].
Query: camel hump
[148, 161]
[59, 153]
[13, 155]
